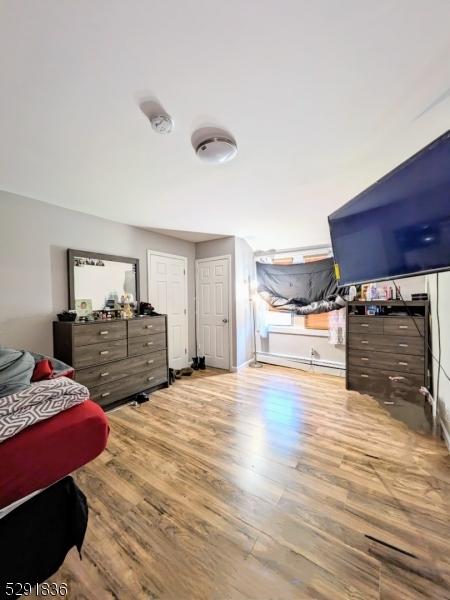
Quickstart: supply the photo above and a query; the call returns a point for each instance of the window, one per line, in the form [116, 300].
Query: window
[280, 319]
[277, 318]
[287, 260]
[320, 321]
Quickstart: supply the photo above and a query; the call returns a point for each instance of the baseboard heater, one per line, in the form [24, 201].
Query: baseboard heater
[266, 356]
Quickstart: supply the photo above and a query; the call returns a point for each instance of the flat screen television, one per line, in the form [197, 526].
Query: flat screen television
[400, 225]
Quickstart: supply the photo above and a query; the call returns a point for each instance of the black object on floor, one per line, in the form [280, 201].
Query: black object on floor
[141, 398]
[177, 373]
[202, 363]
[171, 376]
[36, 536]
[187, 371]
[194, 363]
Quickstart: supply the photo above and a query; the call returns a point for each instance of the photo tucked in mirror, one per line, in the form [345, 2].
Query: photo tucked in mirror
[103, 284]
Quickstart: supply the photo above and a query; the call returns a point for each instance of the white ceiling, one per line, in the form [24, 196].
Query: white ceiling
[189, 236]
[322, 96]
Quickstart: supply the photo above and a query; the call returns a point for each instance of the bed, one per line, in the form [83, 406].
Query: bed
[43, 513]
[48, 451]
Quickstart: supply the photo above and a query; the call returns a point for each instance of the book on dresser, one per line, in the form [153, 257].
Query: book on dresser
[388, 352]
[115, 359]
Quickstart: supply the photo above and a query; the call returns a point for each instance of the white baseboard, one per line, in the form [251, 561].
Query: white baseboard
[235, 369]
[315, 365]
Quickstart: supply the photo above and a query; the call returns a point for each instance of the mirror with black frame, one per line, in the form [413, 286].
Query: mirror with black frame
[102, 282]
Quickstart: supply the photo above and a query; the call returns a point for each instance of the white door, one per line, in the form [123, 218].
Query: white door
[213, 319]
[167, 292]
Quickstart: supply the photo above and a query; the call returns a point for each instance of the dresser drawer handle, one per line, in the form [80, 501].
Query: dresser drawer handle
[403, 345]
[105, 394]
[104, 374]
[150, 378]
[104, 352]
[403, 327]
[364, 358]
[364, 324]
[396, 378]
[150, 362]
[403, 364]
[103, 332]
[364, 375]
[364, 342]
[149, 344]
[149, 327]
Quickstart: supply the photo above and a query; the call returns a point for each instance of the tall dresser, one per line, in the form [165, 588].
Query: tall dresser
[115, 359]
[387, 353]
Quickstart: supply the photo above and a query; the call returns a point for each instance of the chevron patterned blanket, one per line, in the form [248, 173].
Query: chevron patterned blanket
[38, 402]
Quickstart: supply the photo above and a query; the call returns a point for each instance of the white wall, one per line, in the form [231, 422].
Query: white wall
[442, 396]
[294, 350]
[34, 237]
[409, 285]
[244, 274]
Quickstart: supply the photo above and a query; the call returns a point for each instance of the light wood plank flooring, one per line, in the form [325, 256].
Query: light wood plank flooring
[264, 484]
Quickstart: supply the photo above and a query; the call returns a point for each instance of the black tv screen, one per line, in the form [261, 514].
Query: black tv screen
[399, 226]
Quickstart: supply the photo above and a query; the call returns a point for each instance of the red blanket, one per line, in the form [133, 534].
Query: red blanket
[44, 453]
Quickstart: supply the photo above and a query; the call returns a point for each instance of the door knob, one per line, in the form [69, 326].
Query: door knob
[224, 320]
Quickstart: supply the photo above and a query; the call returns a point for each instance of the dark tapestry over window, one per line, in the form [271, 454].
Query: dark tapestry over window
[304, 288]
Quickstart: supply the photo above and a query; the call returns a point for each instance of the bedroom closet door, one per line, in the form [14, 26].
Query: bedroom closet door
[213, 311]
[167, 292]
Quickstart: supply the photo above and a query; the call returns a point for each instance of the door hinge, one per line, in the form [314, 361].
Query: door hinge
[185, 312]
[185, 350]
[184, 271]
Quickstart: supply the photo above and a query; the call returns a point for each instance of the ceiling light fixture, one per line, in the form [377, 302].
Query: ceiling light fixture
[216, 150]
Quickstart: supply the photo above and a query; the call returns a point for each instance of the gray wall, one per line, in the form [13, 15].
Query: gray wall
[212, 248]
[34, 237]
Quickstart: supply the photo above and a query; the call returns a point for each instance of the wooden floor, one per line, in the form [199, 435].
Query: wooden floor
[266, 484]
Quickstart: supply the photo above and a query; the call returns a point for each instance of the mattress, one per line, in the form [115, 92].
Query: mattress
[48, 451]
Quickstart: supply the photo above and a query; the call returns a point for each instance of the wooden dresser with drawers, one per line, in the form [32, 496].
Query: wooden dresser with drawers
[115, 359]
[387, 352]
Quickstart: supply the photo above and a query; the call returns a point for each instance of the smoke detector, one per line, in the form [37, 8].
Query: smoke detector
[162, 123]
[216, 150]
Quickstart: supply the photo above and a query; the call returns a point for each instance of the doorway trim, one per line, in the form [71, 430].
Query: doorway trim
[186, 295]
[230, 305]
